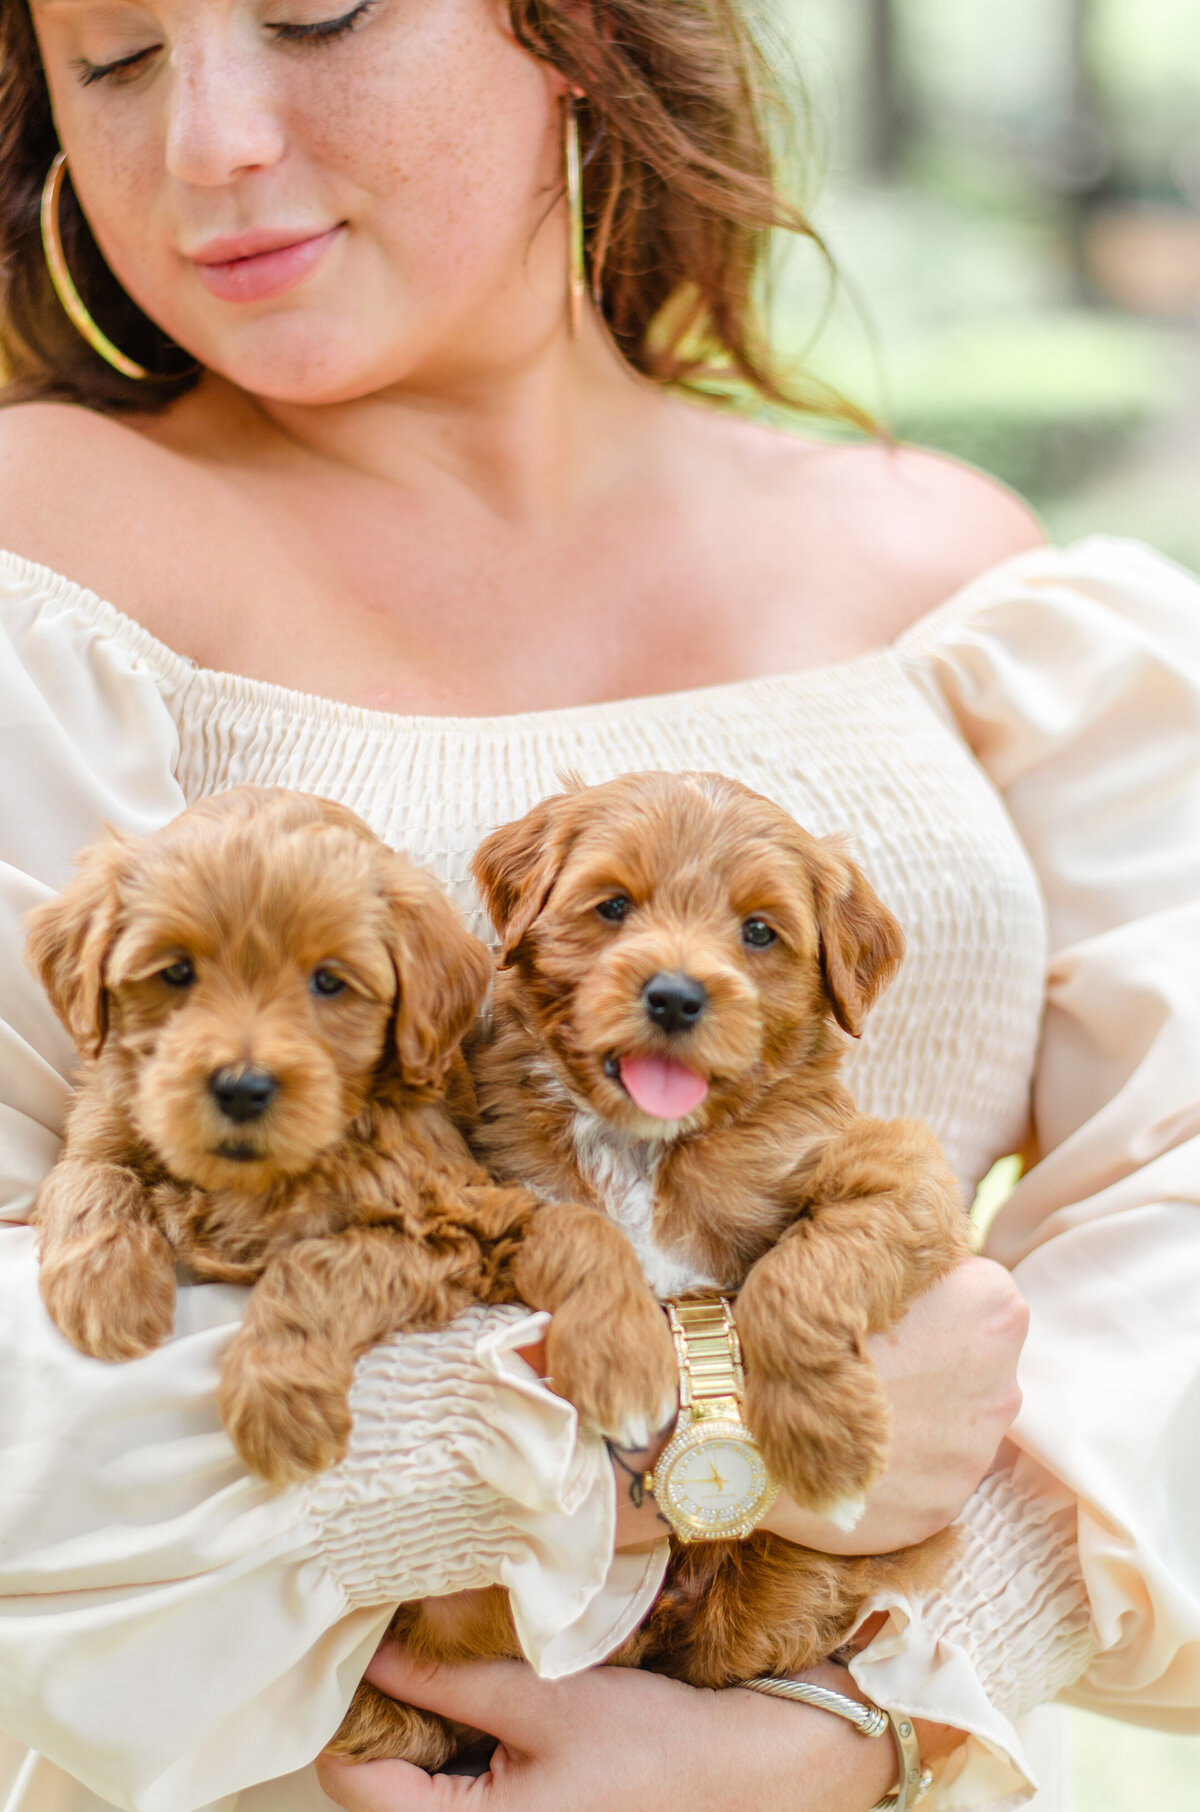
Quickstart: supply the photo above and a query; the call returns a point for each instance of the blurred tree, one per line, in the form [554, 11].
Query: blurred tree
[1085, 158]
[886, 117]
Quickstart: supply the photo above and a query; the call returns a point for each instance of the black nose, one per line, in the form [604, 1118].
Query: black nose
[674, 1002]
[243, 1094]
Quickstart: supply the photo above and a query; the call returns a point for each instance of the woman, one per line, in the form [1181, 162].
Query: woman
[394, 494]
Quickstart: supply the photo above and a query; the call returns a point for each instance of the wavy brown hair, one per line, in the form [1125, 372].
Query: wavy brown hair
[679, 190]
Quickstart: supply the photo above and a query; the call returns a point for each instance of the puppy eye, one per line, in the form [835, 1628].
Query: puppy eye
[325, 982]
[757, 933]
[179, 974]
[614, 910]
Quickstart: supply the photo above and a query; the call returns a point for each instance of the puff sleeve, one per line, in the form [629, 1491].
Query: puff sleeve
[172, 1631]
[1075, 679]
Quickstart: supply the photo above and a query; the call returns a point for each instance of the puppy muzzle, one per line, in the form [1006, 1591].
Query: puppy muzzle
[674, 1002]
[242, 1095]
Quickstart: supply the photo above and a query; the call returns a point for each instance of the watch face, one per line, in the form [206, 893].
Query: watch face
[715, 1484]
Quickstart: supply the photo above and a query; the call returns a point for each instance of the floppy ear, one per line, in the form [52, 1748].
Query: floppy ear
[441, 970]
[861, 943]
[69, 938]
[516, 867]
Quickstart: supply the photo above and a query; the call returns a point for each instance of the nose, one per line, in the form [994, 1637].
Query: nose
[243, 1094]
[674, 1002]
[222, 120]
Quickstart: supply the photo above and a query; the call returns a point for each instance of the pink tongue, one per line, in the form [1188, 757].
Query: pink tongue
[665, 1090]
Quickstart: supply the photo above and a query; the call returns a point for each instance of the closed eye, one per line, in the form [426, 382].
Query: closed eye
[325, 31]
[122, 66]
[320, 31]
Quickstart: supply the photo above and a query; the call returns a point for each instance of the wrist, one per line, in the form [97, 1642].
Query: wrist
[855, 1771]
[639, 1519]
[934, 1741]
[937, 1741]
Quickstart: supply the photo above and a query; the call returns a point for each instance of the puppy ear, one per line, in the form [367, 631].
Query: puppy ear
[442, 974]
[516, 866]
[862, 945]
[69, 938]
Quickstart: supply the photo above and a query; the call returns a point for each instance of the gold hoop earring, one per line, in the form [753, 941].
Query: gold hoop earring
[576, 269]
[64, 288]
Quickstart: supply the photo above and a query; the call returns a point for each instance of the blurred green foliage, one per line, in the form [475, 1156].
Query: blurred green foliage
[1043, 401]
[966, 316]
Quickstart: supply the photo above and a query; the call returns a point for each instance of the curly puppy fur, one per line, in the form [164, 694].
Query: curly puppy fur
[826, 1223]
[270, 1005]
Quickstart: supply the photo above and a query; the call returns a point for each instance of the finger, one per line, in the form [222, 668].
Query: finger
[380, 1786]
[503, 1698]
[987, 1296]
[1000, 1317]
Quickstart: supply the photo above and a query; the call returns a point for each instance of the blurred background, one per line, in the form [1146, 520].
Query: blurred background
[1011, 195]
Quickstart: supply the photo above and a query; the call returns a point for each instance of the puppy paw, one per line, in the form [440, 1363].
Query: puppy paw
[111, 1293]
[616, 1364]
[825, 1439]
[847, 1513]
[286, 1419]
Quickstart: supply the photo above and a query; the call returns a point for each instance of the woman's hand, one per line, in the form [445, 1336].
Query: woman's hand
[950, 1372]
[615, 1737]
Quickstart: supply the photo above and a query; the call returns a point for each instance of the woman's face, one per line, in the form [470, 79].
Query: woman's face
[318, 198]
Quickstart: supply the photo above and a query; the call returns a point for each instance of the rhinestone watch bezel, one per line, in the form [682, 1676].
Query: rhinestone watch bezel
[729, 1523]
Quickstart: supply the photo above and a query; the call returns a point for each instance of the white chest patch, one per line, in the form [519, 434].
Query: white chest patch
[623, 1177]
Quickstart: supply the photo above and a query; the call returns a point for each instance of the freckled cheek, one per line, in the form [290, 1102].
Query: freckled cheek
[443, 168]
[117, 173]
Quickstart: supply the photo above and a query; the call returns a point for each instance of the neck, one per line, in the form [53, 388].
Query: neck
[531, 437]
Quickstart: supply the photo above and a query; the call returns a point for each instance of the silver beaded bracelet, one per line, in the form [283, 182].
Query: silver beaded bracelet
[870, 1721]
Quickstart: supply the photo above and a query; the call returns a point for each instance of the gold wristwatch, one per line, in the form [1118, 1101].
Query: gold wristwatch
[710, 1481]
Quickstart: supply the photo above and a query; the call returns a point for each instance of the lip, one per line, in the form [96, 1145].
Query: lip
[251, 267]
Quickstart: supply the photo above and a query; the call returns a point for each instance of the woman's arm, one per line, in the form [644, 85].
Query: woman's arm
[1074, 677]
[616, 1737]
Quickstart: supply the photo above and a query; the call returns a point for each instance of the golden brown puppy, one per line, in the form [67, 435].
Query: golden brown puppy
[681, 965]
[270, 1003]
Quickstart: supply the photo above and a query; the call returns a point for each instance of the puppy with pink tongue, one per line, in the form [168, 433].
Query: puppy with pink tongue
[682, 969]
[681, 964]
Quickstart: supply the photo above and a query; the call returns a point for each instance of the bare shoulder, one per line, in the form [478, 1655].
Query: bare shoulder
[68, 478]
[102, 501]
[924, 524]
[897, 529]
[978, 521]
[40, 440]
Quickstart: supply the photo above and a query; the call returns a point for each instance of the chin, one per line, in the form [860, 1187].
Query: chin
[299, 357]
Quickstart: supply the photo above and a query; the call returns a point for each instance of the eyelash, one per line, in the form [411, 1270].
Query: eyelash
[322, 31]
[325, 31]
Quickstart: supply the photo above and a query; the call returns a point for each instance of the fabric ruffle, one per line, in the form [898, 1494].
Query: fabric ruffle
[1007, 1630]
[464, 1471]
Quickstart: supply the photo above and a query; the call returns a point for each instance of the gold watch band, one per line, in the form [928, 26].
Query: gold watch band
[711, 1381]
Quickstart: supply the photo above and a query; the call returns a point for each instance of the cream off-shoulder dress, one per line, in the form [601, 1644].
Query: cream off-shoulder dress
[1020, 776]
